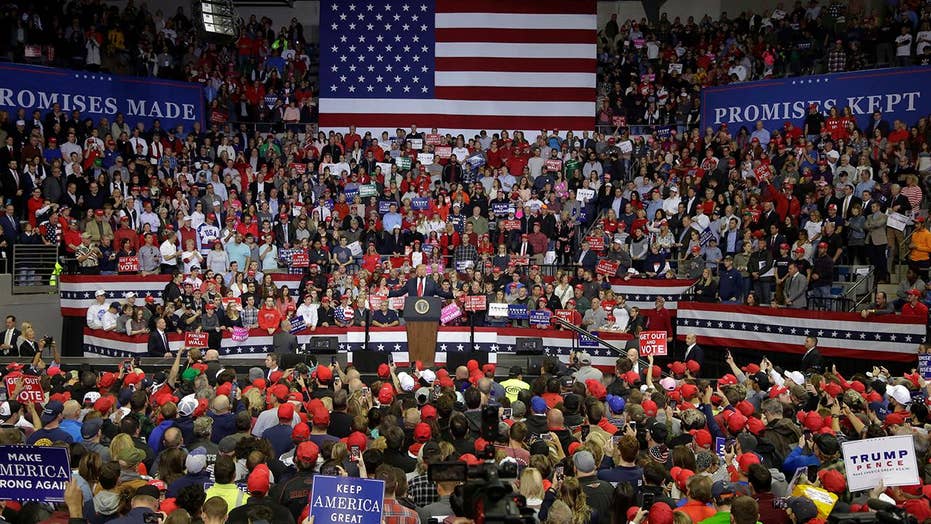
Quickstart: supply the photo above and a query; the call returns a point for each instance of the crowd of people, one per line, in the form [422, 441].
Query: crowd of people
[205, 442]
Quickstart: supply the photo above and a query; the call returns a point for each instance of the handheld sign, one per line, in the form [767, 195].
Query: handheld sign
[498, 309]
[443, 151]
[890, 460]
[420, 203]
[128, 264]
[719, 443]
[297, 324]
[761, 172]
[552, 164]
[32, 389]
[38, 473]
[518, 312]
[653, 343]
[596, 243]
[433, 139]
[300, 259]
[475, 302]
[450, 313]
[540, 317]
[368, 190]
[403, 163]
[416, 143]
[195, 340]
[347, 499]
[924, 366]
[607, 267]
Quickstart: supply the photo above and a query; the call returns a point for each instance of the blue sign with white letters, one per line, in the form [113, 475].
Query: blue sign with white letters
[38, 473]
[903, 94]
[540, 317]
[347, 499]
[101, 95]
[518, 312]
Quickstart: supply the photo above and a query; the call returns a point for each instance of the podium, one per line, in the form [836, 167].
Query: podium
[422, 318]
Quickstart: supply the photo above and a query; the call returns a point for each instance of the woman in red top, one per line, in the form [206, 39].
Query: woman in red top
[284, 301]
[269, 316]
[371, 259]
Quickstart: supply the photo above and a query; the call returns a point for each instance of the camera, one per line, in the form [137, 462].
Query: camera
[482, 496]
[48, 340]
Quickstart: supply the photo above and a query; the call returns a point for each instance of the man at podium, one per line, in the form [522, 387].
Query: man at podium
[420, 286]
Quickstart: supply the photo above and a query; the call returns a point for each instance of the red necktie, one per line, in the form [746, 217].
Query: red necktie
[419, 287]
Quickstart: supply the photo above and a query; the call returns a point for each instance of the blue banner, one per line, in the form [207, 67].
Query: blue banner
[719, 443]
[924, 366]
[347, 499]
[903, 94]
[351, 194]
[518, 312]
[420, 203]
[540, 317]
[588, 342]
[38, 473]
[100, 95]
[384, 206]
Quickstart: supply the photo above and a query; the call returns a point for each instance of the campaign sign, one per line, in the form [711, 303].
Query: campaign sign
[899, 94]
[297, 324]
[433, 139]
[552, 164]
[653, 343]
[518, 312]
[450, 313]
[195, 340]
[761, 172]
[443, 151]
[32, 388]
[626, 146]
[520, 260]
[127, 264]
[403, 162]
[511, 225]
[240, 334]
[396, 303]
[588, 342]
[608, 267]
[351, 194]
[584, 195]
[596, 243]
[355, 248]
[501, 208]
[425, 158]
[347, 499]
[619, 121]
[298, 167]
[368, 190]
[300, 259]
[890, 460]
[498, 309]
[475, 161]
[924, 366]
[416, 143]
[38, 473]
[719, 443]
[99, 96]
[384, 206]
[663, 133]
[420, 203]
[540, 317]
[475, 302]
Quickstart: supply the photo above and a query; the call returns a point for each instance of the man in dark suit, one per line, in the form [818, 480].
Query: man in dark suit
[587, 258]
[812, 358]
[158, 340]
[9, 337]
[284, 231]
[693, 351]
[420, 286]
[10, 225]
[13, 184]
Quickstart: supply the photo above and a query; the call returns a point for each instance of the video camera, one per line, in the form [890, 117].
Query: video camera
[481, 494]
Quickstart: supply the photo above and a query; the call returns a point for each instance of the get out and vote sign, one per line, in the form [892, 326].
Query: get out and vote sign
[653, 343]
[346, 500]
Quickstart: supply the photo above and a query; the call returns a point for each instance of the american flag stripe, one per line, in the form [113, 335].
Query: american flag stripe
[847, 335]
[472, 66]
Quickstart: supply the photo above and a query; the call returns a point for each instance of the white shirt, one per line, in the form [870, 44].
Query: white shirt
[168, 249]
[109, 321]
[903, 45]
[309, 313]
[95, 315]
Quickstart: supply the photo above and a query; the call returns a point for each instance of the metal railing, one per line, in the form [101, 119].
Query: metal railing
[34, 269]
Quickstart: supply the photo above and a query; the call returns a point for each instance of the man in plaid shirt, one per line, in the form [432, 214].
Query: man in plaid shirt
[392, 510]
[420, 489]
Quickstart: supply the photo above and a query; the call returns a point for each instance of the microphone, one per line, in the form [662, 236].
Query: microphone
[881, 505]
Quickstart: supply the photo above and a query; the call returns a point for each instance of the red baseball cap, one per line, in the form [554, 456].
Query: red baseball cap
[324, 374]
[321, 417]
[300, 433]
[428, 413]
[422, 432]
[259, 479]
[307, 452]
[286, 411]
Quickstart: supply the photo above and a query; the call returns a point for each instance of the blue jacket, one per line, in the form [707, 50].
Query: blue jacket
[729, 284]
[155, 438]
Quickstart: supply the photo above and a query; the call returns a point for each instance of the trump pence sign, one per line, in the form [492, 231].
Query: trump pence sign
[890, 460]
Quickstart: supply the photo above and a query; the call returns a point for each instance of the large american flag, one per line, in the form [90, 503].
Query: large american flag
[458, 65]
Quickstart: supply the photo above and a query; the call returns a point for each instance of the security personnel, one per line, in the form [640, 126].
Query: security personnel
[515, 383]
